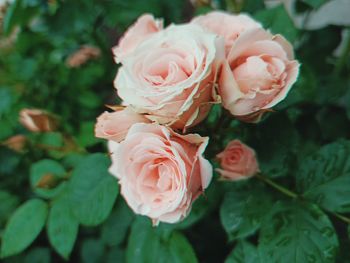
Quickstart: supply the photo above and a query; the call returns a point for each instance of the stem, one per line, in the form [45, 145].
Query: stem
[346, 51]
[294, 195]
[341, 217]
[277, 186]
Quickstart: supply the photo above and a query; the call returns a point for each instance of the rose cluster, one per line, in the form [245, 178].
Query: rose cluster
[168, 80]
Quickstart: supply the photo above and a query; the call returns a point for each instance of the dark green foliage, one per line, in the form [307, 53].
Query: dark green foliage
[59, 203]
[297, 232]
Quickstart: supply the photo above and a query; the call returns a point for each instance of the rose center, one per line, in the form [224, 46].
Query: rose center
[260, 74]
[167, 67]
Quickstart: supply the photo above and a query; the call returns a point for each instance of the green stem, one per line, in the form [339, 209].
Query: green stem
[343, 57]
[277, 186]
[294, 195]
[341, 217]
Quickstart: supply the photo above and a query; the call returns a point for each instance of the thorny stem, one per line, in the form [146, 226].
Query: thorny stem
[294, 195]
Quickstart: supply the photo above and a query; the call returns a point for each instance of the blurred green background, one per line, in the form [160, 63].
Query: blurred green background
[55, 55]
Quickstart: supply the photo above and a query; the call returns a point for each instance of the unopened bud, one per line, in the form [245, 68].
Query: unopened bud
[82, 56]
[47, 181]
[199, 3]
[16, 143]
[37, 120]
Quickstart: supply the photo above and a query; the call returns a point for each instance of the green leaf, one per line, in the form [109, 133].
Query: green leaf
[93, 190]
[19, 14]
[315, 3]
[44, 177]
[6, 100]
[180, 249]
[244, 252]
[23, 227]
[53, 142]
[333, 123]
[9, 161]
[253, 6]
[324, 177]
[53, 139]
[150, 244]
[38, 255]
[86, 136]
[115, 255]
[89, 99]
[11, 17]
[62, 226]
[214, 114]
[278, 160]
[92, 251]
[115, 228]
[297, 232]
[72, 160]
[143, 242]
[278, 20]
[8, 203]
[200, 208]
[242, 211]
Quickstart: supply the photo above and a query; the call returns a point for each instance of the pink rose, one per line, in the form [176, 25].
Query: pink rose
[160, 172]
[170, 75]
[259, 72]
[145, 26]
[237, 161]
[228, 25]
[36, 120]
[115, 125]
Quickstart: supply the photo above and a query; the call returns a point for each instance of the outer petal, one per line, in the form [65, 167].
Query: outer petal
[115, 125]
[293, 72]
[145, 26]
[113, 148]
[179, 103]
[228, 87]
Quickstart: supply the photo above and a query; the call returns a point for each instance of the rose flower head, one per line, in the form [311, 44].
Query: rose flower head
[227, 25]
[145, 26]
[115, 125]
[258, 73]
[170, 76]
[160, 172]
[237, 161]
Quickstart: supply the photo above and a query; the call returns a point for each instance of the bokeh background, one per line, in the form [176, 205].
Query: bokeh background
[55, 55]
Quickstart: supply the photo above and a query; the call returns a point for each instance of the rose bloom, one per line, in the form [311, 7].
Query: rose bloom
[259, 72]
[160, 172]
[115, 125]
[227, 25]
[170, 75]
[237, 161]
[145, 26]
[37, 120]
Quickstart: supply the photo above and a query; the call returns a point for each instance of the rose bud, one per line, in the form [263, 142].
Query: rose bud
[160, 172]
[170, 76]
[37, 120]
[227, 25]
[200, 3]
[16, 143]
[145, 26]
[115, 125]
[237, 161]
[82, 56]
[259, 72]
